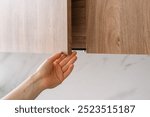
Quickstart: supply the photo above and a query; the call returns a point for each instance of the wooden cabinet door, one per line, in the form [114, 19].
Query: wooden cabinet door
[118, 26]
[35, 25]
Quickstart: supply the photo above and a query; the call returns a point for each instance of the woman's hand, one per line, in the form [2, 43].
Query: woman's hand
[56, 69]
[49, 75]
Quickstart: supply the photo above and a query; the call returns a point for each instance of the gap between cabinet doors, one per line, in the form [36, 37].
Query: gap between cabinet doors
[78, 24]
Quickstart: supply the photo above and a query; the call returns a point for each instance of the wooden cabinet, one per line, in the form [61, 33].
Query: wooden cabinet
[118, 26]
[35, 25]
[97, 26]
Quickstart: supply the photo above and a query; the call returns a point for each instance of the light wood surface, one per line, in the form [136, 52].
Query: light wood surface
[35, 26]
[118, 26]
[78, 24]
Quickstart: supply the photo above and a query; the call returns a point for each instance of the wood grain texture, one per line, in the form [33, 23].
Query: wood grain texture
[35, 25]
[78, 23]
[118, 26]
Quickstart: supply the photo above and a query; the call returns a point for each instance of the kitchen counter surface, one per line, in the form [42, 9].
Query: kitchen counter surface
[94, 77]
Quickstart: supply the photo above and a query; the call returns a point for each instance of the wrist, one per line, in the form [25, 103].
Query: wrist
[37, 82]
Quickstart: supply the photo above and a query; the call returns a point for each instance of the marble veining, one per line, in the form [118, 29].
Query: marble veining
[96, 76]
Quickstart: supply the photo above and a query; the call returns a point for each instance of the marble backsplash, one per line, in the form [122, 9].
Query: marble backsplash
[94, 77]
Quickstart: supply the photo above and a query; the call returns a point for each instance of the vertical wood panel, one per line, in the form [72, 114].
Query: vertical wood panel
[34, 25]
[118, 26]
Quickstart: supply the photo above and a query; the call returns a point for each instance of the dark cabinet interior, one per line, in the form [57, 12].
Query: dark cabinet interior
[79, 24]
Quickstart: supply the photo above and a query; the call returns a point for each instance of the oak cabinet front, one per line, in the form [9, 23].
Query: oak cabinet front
[97, 26]
[118, 26]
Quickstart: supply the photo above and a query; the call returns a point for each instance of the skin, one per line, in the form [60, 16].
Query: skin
[50, 74]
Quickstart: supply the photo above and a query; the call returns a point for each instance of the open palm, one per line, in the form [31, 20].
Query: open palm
[56, 69]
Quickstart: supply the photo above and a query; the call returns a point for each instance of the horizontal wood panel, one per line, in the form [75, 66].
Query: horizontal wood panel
[118, 26]
[35, 25]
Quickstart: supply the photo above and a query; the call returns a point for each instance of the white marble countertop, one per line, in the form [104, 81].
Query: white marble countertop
[94, 77]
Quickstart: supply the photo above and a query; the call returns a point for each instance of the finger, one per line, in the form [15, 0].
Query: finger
[59, 71]
[72, 61]
[54, 57]
[67, 59]
[61, 58]
[69, 70]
